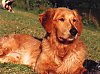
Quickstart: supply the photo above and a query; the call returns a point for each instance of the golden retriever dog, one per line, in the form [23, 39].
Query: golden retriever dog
[59, 52]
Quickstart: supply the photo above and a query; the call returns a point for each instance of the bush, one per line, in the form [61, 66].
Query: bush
[38, 5]
[88, 23]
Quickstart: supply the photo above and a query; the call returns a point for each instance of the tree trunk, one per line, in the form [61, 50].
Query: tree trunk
[27, 5]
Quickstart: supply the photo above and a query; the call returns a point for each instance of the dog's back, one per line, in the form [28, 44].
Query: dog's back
[19, 48]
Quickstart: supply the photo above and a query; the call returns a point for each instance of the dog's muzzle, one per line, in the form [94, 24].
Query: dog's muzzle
[73, 35]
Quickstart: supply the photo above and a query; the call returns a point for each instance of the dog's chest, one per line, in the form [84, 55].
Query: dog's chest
[50, 53]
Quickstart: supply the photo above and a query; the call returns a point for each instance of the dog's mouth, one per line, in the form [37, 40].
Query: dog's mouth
[67, 40]
[70, 38]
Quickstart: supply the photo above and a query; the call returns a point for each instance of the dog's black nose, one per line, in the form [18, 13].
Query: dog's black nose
[73, 31]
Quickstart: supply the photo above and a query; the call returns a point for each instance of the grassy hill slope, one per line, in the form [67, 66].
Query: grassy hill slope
[20, 22]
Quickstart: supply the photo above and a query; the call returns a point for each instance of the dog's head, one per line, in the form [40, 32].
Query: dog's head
[64, 22]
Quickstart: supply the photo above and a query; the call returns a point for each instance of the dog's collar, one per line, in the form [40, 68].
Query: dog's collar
[40, 39]
[47, 34]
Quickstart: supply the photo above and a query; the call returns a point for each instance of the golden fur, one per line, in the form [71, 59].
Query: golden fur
[19, 48]
[60, 52]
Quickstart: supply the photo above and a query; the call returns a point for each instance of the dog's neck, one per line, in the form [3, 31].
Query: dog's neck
[60, 48]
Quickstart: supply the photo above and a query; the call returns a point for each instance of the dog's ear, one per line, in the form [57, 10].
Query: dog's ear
[79, 21]
[77, 14]
[41, 16]
[46, 19]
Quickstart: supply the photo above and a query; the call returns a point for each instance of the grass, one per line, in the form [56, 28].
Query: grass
[91, 37]
[20, 22]
[27, 23]
[9, 68]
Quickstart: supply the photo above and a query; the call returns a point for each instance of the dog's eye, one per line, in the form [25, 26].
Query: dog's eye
[61, 19]
[74, 20]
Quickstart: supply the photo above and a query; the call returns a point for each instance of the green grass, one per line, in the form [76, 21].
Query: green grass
[9, 68]
[91, 37]
[92, 40]
[20, 22]
[27, 23]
